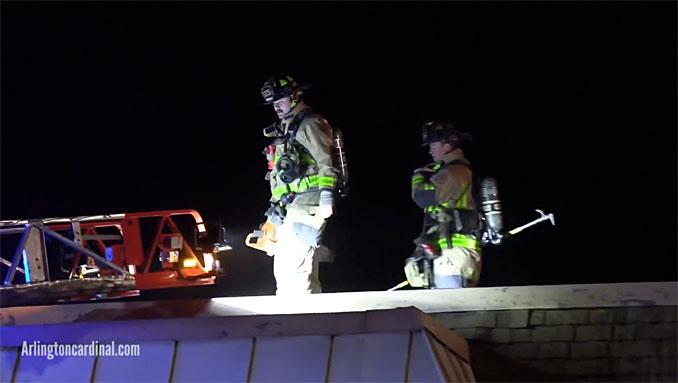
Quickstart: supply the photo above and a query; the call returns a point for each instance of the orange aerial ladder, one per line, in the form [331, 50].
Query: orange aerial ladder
[105, 256]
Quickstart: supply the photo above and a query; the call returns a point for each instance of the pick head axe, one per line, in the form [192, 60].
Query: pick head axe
[544, 217]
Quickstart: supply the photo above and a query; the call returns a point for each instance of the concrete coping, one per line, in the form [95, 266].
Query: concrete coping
[428, 301]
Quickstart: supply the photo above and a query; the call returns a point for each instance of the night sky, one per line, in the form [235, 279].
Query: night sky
[126, 107]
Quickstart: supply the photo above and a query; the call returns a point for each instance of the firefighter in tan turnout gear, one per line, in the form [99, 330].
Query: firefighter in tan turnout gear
[302, 179]
[448, 253]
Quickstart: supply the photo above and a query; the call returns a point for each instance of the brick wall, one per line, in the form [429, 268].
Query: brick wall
[636, 343]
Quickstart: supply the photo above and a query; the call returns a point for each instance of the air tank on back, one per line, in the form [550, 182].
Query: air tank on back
[341, 162]
[491, 205]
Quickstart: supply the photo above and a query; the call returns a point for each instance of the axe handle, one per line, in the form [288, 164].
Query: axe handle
[525, 226]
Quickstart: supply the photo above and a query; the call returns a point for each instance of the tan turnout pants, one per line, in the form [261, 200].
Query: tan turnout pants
[295, 265]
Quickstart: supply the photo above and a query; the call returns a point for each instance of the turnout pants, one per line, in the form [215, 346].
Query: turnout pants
[456, 268]
[295, 265]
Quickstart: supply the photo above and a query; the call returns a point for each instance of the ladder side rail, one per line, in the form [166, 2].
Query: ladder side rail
[86, 251]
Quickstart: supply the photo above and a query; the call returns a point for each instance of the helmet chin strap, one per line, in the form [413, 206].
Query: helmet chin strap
[294, 98]
[294, 101]
[454, 145]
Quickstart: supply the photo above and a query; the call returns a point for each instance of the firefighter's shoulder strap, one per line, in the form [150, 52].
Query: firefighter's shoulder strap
[467, 222]
[338, 156]
[456, 162]
[474, 180]
[294, 125]
[464, 163]
[292, 145]
[293, 128]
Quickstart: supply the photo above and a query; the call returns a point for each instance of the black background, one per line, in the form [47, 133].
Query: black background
[124, 107]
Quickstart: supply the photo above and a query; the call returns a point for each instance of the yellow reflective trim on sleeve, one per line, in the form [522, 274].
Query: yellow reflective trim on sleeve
[436, 208]
[429, 186]
[304, 183]
[418, 179]
[326, 182]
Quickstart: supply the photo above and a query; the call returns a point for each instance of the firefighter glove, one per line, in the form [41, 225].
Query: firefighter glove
[275, 214]
[425, 171]
[326, 204]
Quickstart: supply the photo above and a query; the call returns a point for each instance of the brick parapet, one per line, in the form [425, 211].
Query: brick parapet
[626, 343]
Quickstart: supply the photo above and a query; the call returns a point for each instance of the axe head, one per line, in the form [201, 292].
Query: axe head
[550, 217]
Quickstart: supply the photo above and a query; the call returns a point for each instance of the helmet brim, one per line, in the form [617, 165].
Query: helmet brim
[299, 89]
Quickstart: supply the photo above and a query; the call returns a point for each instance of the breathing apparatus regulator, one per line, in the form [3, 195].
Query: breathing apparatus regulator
[288, 168]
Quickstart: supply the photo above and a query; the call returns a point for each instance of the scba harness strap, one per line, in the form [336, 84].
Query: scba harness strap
[291, 164]
[294, 125]
[461, 224]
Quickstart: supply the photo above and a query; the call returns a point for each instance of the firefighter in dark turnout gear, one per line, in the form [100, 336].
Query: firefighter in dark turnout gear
[448, 251]
[302, 180]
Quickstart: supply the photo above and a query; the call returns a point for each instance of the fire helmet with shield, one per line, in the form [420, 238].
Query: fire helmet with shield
[441, 131]
[280, 86]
